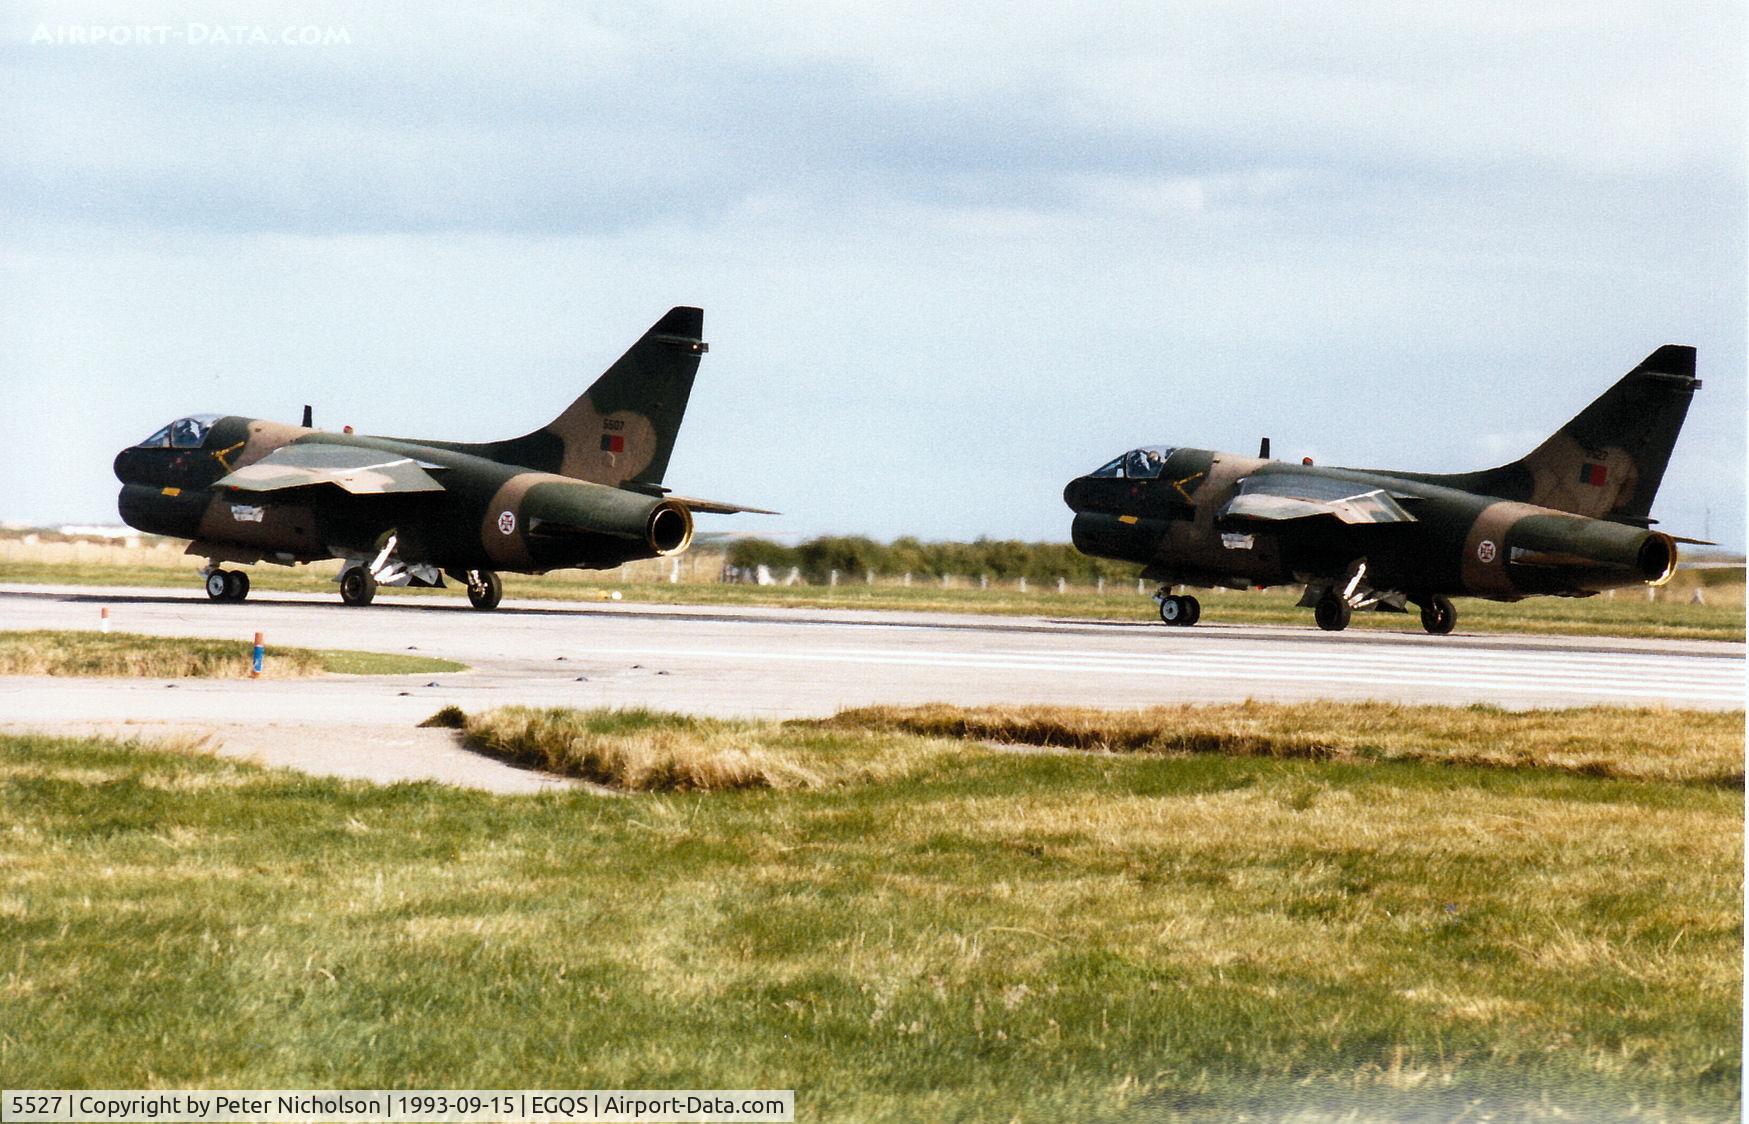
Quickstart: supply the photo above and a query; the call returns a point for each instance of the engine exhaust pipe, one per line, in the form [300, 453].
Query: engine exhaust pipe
[1657, 559]
[669, 530]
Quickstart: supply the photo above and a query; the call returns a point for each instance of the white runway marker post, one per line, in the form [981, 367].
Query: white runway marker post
[103, 621]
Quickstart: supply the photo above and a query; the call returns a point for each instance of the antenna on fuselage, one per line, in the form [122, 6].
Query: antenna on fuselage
[309, 418]
[1262, 449]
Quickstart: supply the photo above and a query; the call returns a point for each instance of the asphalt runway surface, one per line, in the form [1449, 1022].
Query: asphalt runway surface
[796, 662]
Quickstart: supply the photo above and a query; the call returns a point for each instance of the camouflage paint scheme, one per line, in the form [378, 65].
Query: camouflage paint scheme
[583, 491]
[1570, 519]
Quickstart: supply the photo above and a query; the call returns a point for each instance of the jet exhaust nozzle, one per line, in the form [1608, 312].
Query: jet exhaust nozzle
[670, 529]
[1565, 553]
[607, 525]
[1657, 559]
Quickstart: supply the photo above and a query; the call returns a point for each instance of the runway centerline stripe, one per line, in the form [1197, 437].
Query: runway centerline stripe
[1289, 676]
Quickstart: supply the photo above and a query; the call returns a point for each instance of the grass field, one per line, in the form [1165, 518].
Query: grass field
[920, 927]
[45, 652]
[1672, 614]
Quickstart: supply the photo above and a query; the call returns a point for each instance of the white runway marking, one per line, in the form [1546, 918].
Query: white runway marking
[1641, 678]
[814, 661]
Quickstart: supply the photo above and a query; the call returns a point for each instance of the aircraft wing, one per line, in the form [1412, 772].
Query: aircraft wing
[1281, 498]
[357, 470]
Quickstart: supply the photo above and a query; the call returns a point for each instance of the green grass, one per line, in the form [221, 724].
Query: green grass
[977, 935]
[1626, 614]
[47, 652]
[339, 661]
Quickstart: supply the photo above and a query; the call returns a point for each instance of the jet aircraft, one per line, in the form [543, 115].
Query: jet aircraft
[584, 491]
[1570, 519]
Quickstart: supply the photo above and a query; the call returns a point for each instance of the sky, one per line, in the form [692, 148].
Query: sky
[948, 259]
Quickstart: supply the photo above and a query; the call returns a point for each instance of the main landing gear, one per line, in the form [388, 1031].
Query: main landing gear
[1438, 615]
[227, 585]
[360, 581]
[485, 589]
[1333, 607]
[357, 587]
[1332, 612]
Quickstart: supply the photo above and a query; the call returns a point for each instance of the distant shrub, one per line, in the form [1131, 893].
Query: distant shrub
[1000, 559]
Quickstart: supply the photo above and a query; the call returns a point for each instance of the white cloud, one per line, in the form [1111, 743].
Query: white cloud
[935, 239]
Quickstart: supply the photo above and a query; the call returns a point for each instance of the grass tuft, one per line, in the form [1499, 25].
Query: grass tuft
[449, 718]
[644, 750]
[126, 655]
[1647, 743]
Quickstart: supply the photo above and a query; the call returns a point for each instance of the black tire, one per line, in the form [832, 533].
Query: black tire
[357, 587]
[1173, 611]
[1438, 615]
[236, 585]
[218, 585]
[1332, 613]
[1193, 610]
[485, 589]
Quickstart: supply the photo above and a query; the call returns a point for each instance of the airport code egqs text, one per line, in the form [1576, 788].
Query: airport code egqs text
[395, 1106]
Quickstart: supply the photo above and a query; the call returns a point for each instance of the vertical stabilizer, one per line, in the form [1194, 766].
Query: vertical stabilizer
[622, 429]
[1606, 463]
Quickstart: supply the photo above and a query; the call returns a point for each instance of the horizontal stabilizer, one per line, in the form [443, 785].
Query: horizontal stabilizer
[357, 470]
[713, 507]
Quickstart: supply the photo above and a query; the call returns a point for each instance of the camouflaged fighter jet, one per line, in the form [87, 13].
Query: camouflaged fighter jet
[1571, 519]
[582, 491]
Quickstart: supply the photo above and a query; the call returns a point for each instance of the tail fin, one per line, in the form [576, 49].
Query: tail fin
[622, 429]
[1606, 463]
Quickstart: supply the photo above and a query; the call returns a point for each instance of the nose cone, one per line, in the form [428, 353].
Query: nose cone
[125, 462]
[1074, 493]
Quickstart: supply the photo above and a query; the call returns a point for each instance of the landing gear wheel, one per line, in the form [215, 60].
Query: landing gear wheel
[1173, 611]
[1438, 615]
[485, 589]
[1332, 613]
[217, 585]
[236, 585]
[1192, 609]
[357, 587]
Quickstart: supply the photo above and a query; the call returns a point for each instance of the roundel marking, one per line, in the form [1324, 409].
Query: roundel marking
[507, 524]
[1485, 550]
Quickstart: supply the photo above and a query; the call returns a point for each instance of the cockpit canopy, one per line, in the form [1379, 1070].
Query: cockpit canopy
[1145, 463]
[183, 433]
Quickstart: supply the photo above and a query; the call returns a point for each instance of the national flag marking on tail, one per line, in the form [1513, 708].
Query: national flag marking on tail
[1593, 474]
[612, 443]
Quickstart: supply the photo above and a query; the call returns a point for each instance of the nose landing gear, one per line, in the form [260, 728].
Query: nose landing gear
[1178, 609]
[226, 585]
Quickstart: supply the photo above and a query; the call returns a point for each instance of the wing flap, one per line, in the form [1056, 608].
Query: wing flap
[357, 470]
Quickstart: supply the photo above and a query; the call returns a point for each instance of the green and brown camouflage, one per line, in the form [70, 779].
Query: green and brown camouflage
[1570, 519]
[582, 491]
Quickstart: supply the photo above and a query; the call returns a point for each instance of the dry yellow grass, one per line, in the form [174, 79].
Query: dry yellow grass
[640, 751]
[153, 657]
[1627, 743]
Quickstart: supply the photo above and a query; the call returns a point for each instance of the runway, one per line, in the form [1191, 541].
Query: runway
[767, 662]
[792, 662]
